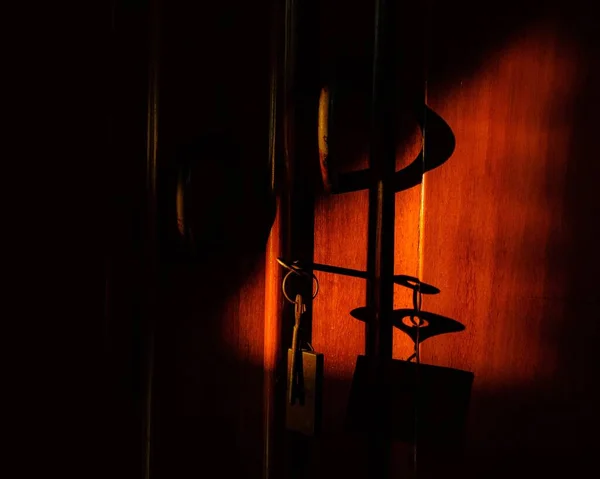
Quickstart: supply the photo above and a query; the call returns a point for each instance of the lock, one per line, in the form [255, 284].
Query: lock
[303, 412]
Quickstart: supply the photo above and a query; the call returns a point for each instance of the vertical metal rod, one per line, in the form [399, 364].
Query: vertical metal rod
[151, 232]
[380, 264]
[382, 195]
[281, 149]
[273, 297]
[301, 67]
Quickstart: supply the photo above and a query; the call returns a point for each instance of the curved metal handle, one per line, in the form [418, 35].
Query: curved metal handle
[323, 138]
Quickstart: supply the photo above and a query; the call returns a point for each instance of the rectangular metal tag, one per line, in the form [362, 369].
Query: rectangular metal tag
[304, 416]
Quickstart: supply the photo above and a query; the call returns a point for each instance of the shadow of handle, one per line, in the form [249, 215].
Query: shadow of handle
[439, 143]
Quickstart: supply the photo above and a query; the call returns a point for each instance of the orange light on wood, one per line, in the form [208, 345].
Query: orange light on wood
[493, 210]
[272, 339]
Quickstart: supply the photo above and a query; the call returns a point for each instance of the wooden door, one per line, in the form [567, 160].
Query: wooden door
[508, 229]
[504, 229]
[214, 90]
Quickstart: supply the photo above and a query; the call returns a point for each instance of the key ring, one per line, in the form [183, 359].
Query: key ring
[296, 268]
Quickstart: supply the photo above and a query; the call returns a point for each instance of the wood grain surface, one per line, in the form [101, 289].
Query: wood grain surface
[506, 222]
[341, 227]
[502, 229]
[505, 229]
[211, 334]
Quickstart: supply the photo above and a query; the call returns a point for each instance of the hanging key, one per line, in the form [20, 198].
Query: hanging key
[295, 376]
[303, 411]
[305, 366]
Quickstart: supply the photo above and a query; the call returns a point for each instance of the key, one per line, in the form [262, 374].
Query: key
[303, 410]
[299, 310]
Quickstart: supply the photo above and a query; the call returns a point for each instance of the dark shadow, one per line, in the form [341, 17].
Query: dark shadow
[415, 284]
[439, 142]
[419, 402]
[432, 324]
[428, 325]
[225, 199]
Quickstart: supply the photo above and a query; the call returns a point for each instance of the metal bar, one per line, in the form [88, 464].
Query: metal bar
[297, 194]
[338, 270]
[380, 260]
[380, 265]
[151, 225]
[281, 159]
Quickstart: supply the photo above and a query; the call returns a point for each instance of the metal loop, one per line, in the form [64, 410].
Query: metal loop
[314, 279]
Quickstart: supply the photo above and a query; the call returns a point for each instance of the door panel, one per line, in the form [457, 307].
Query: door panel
[505, 237]
[208, 401]
[504, 229]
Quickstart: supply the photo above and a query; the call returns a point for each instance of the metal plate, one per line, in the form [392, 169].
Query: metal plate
[305, 416]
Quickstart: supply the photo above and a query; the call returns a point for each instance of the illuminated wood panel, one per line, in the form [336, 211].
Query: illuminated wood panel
[340, 240]
[406, 235]
[507, 223]
[505, 229]
[341, 227]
